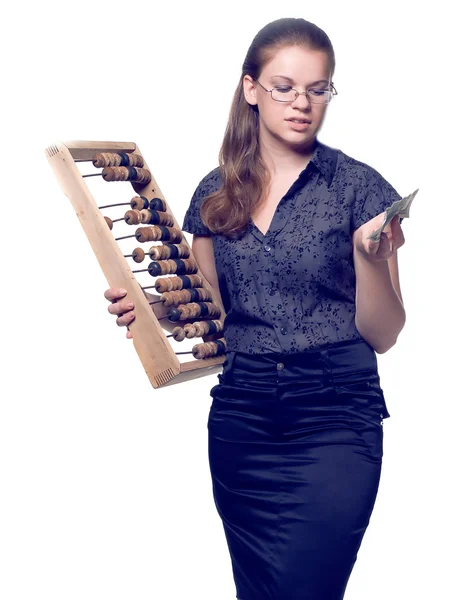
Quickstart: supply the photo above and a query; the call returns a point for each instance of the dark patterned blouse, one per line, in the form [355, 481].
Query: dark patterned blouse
[294, 288]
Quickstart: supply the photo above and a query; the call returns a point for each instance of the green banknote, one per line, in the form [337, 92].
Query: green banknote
[400, 207]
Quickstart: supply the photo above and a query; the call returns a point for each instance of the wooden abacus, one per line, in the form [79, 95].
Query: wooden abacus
[186, 292]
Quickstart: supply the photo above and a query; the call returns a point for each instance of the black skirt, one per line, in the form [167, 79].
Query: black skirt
[295, 452]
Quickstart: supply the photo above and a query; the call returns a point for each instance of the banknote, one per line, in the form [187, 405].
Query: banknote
[400, 207]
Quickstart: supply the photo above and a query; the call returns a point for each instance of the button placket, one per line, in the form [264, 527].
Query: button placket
[273, 299]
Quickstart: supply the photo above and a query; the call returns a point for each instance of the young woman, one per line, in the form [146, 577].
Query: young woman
[280, 231]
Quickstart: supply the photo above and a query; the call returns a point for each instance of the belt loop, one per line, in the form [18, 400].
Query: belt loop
[230, 356]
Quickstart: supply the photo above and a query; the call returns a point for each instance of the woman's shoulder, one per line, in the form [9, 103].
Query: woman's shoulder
[209, 183]
[359, 170]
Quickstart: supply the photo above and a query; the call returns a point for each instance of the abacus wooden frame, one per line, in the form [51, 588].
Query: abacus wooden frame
[154, 350]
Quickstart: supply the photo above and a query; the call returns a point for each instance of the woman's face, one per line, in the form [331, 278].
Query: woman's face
[291, 124]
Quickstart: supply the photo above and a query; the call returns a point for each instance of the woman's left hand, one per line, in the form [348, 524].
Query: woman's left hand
[391, 238]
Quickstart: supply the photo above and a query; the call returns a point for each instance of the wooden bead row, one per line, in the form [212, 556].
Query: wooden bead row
[134, 174]
[122, 159]
[158, 232]
[172, 265]
[197, 329]
[183, 291]
[169, 251]
[140, 202]
[152, 217]
[184, 296]
[168, 284]
[160, 252]
[209, 349]
[191, 310]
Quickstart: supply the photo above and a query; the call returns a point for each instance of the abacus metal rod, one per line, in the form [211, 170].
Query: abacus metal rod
[124, 237]
[111, 205]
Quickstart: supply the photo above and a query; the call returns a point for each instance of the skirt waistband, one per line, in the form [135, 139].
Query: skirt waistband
[342, 358]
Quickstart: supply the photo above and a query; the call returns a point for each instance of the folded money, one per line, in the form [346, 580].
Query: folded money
[400, 207]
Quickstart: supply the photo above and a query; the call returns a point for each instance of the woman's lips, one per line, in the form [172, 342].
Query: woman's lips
[298, 124]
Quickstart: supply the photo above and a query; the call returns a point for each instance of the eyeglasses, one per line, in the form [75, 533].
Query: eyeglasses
[285, 93]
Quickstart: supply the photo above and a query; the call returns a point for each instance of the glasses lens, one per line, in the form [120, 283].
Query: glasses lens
[286, 94]
[320, 96]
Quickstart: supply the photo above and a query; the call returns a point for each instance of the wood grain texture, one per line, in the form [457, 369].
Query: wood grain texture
[154, 350]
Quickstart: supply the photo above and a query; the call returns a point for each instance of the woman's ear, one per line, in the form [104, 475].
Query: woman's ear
[250, 90]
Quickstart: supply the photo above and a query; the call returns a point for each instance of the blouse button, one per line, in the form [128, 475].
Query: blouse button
[284, 330]
[272, 291]
[268, 248]
[280, 366]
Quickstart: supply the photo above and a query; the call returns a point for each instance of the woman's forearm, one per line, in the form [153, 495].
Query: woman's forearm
[380, 314]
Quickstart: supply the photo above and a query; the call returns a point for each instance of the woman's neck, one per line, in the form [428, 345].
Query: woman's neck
[280, 160]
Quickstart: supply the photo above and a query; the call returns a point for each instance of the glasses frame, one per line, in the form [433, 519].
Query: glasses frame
[297, 94]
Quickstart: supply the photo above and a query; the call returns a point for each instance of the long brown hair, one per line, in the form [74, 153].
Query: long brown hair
[245, 178]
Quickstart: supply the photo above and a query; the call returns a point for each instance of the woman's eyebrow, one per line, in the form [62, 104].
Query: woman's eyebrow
[292, 81]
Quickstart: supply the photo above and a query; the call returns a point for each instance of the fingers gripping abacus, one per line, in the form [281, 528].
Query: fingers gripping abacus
[184, 294]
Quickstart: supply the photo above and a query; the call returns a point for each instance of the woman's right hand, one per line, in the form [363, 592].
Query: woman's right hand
[120, 307]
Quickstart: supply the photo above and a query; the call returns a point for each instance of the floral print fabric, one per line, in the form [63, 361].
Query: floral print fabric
[293, 289]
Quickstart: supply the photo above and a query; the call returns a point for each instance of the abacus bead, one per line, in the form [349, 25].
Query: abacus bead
[190, 330]
[183, 250]
[194, 295]
[171, 283]
[196, 280]
[137, 203]
[109, 222]
[169, 299]
[161, 286]
[221, 346]
[142, 175]
[174, 314]
[201, 329]
[144, 234]
[153, 216]
[138, 255]
[157, 204]
[171, 251]
[179, 334]
[154, 252]
[98, 161]
[199, 351]
[204, 310]
[124, 161]
[212, 328]
[135, 160]
[165, 218]
[132, 217]
[168, 233]
[154, 269]
[181, 267]
[108, 174]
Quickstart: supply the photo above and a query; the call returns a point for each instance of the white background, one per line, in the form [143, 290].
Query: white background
[105, 485]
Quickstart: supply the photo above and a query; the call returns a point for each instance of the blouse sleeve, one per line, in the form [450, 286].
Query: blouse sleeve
[378, 196]
[192, 222]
